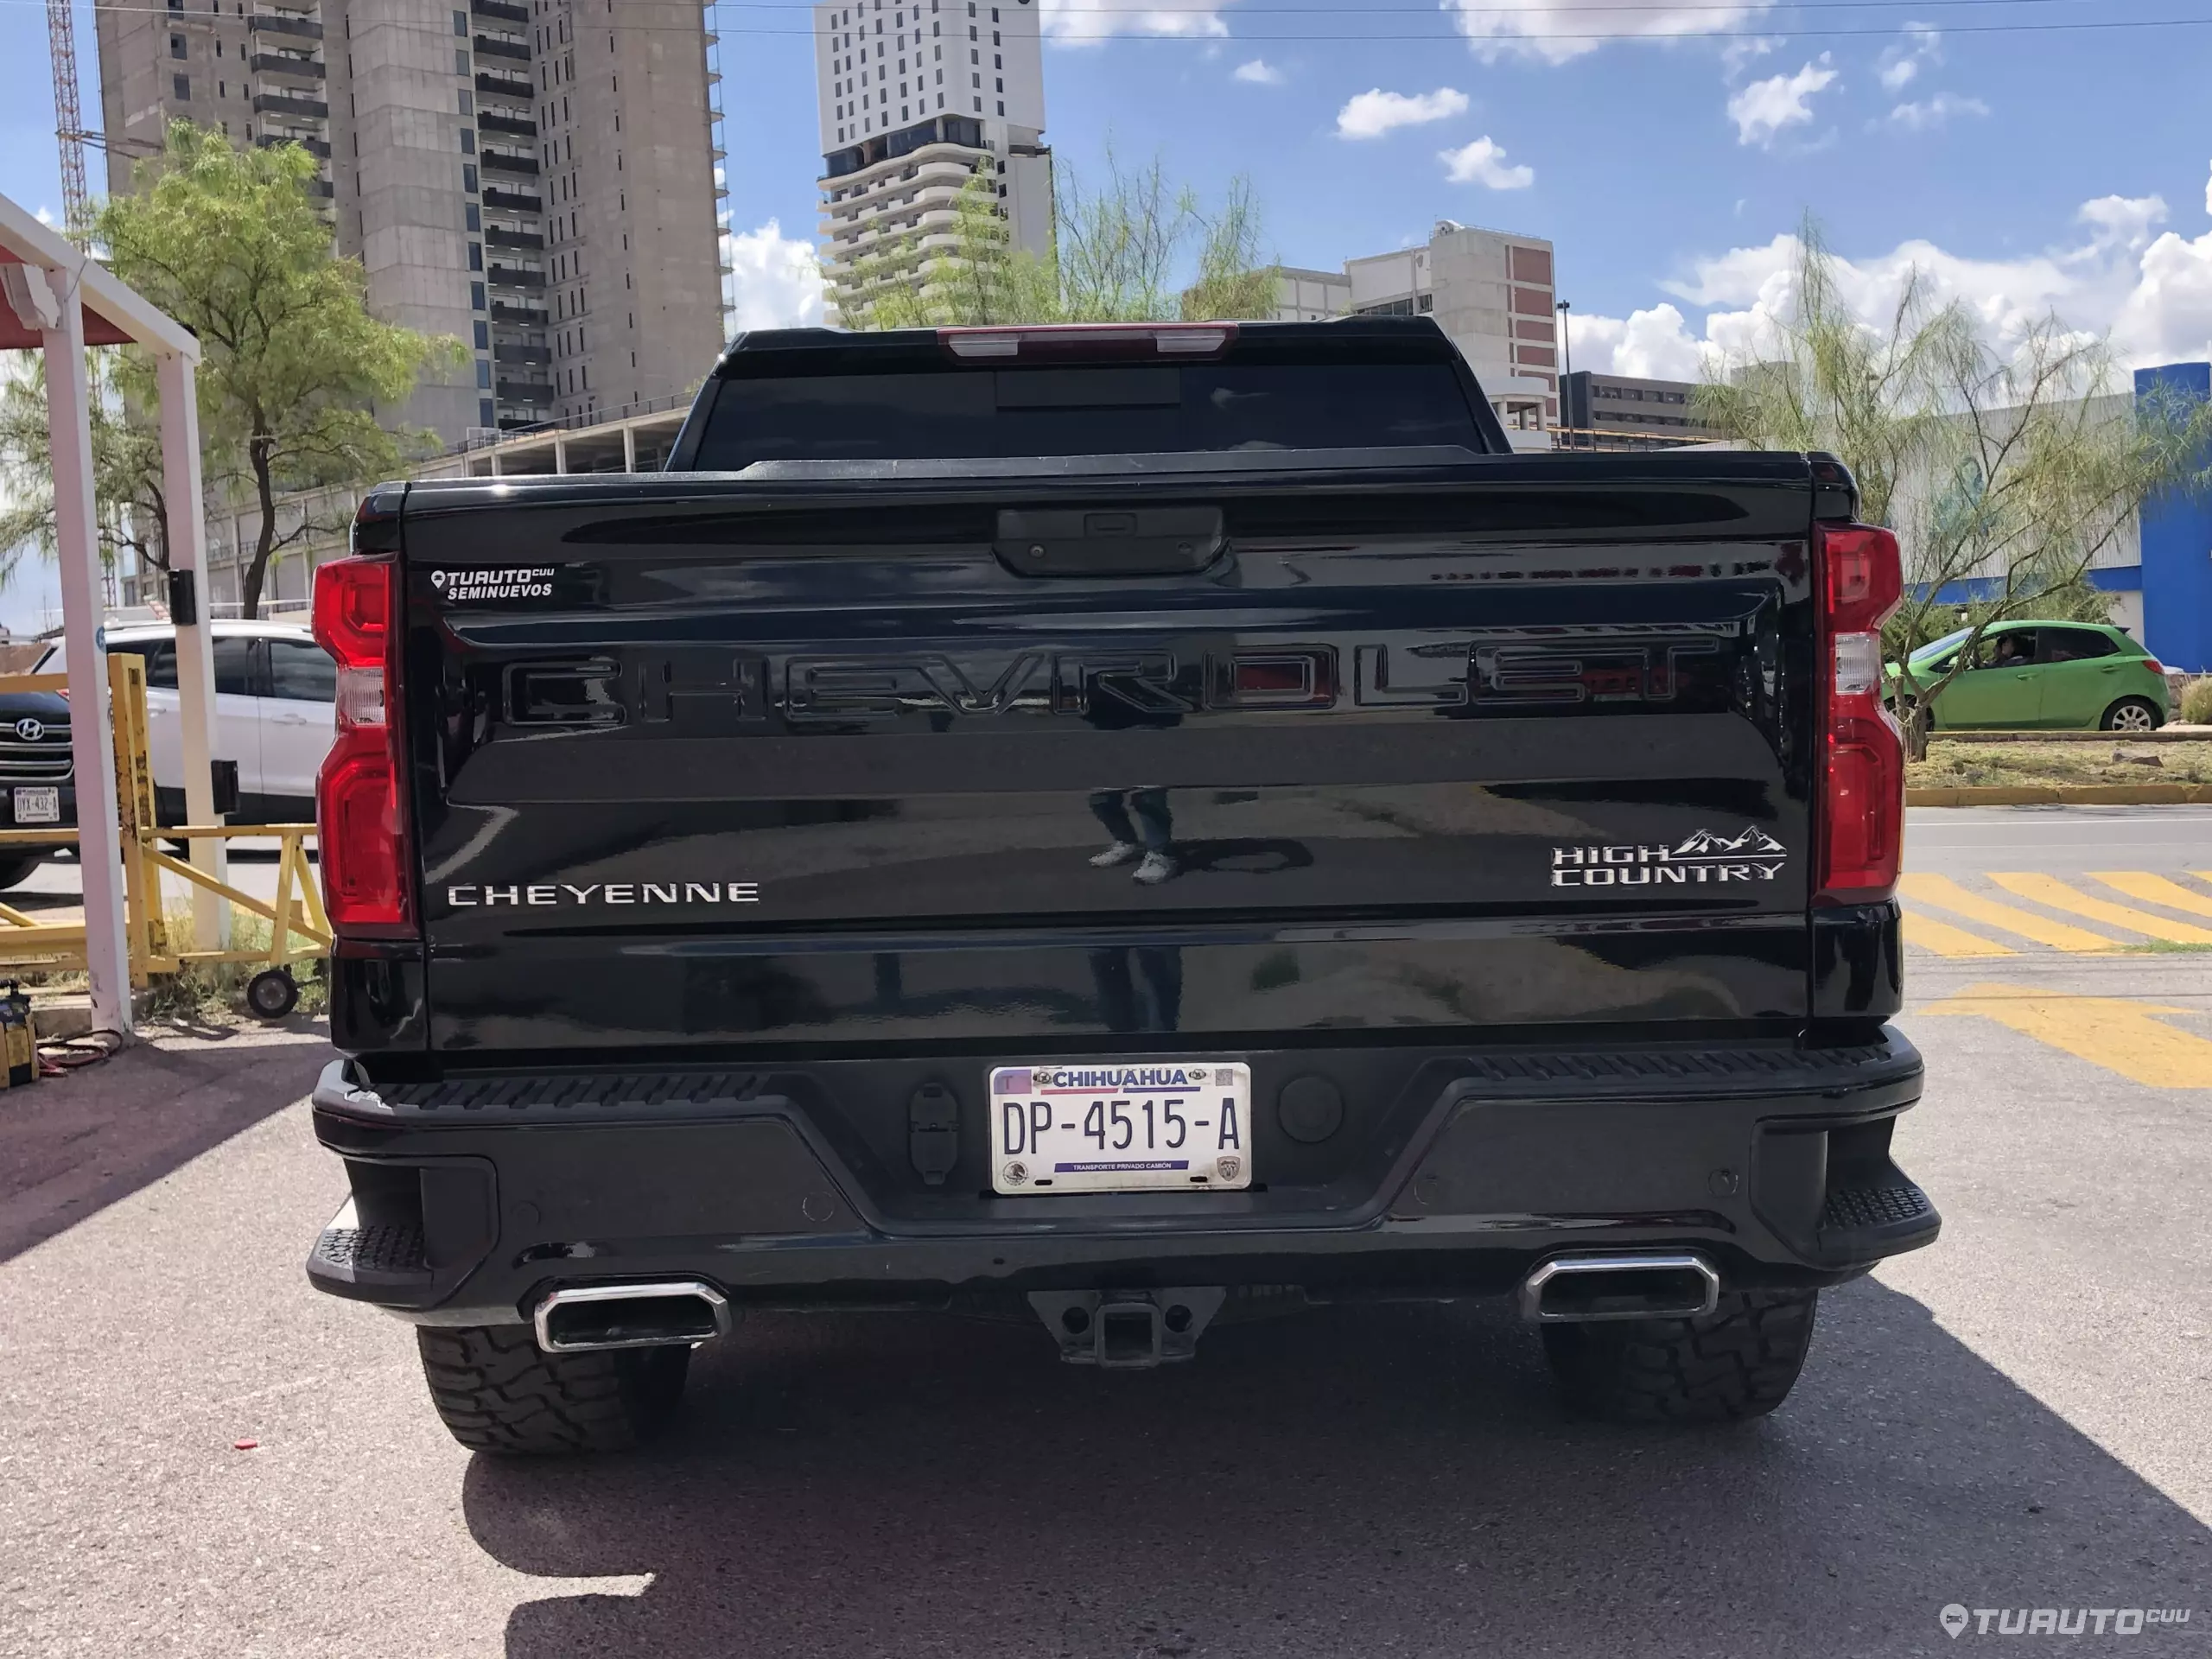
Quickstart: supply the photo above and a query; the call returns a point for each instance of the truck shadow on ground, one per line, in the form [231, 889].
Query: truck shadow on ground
[72, 1145]
[1347, 1482]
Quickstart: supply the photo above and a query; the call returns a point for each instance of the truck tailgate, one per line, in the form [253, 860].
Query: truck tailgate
[714, 761]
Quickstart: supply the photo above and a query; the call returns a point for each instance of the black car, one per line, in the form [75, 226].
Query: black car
[38, 784]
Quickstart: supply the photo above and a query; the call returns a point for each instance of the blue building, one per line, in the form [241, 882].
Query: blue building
[2164, 597]
[2173, 583]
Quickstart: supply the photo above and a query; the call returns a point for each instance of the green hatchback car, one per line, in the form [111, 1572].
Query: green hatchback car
[2082, 675]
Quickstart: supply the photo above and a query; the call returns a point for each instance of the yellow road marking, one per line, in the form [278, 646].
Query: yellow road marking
[1948, 941]
[2106, 1030]
[2050, 889]
[2156, 890]
[1947, 894]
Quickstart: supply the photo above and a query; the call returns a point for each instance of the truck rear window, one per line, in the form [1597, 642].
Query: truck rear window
[1102, 410]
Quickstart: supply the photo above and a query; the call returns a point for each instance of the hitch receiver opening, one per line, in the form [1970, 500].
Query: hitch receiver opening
[1128, 1329]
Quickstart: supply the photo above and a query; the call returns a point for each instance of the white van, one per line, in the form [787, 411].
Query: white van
[275, 695]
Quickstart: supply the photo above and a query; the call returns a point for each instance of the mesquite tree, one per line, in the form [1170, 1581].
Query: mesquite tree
[229, 242]
[2005, 473]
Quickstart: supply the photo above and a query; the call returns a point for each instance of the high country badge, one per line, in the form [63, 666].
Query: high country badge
[1701, 860]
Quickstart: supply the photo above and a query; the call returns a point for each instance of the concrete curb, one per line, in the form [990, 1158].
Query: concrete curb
[2066, 795]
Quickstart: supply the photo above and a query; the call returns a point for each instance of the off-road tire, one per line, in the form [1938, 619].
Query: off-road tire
[1735, 1362]
[2145, 714]
[497, 1392]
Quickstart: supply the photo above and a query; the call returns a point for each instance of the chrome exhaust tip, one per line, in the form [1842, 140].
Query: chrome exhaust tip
[584, 1317]
[1658, 1285]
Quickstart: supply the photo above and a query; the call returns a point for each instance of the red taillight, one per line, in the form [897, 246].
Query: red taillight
[361, 820]
[1861, 820]
[2155, 666]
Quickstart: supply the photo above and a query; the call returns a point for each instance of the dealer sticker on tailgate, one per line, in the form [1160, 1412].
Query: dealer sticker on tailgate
[1143, 1126]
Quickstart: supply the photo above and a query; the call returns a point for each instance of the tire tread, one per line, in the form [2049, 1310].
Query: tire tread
[496, 1391]
[1737, 1363]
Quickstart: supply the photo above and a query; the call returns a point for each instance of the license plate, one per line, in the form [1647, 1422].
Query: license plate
[1139, 1126]
[38, 805]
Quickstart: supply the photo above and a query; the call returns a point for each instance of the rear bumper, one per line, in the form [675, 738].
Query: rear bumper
[472, 1199]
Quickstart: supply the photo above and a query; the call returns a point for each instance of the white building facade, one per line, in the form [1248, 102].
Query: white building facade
[1311, 296]
[916, 96]
[1493, 293]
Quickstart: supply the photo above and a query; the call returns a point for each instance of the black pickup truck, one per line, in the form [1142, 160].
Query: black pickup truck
[1136, 827]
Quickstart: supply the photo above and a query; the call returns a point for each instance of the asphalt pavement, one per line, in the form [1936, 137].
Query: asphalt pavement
[2011, 1421]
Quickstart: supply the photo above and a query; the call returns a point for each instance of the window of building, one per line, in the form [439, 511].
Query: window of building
[460, 24]
[484, 415]
[476, 255]
[177, 46]
[468, 177]
[483, 335]
[476, 296]
[483, 373]
[1002, 103]
[475, 216]
[468, 141]
[181, 85]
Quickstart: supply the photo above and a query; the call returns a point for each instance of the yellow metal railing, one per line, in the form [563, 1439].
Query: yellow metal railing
[299, 931]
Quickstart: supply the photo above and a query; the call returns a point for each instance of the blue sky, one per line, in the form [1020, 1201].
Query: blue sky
[2026, 168]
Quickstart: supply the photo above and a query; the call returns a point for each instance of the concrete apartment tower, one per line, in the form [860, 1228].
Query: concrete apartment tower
[1492, 292]
[537, 179]
[916, 96]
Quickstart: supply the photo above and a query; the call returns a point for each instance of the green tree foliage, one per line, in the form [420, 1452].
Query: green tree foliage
[229, 243]
[2014, 470]
[1116, 254]
[127, 487]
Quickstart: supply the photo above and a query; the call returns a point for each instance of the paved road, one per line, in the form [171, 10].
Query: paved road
[2014, 1418]
[2058, 839]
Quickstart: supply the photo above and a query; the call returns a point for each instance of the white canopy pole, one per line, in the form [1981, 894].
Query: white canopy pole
[98, 838]
[195, 662]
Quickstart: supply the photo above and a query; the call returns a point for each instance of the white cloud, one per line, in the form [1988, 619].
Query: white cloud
[1556, 31]
[1260, 73]
[1935, 111]
[1922, 47]
[1086, 23]
[1483, 162]
[777, 282]
[1371, 114]
[1654, 345]
[2167, 317]
[1765, 107]
[1740, 54]
[2124, 222]
[2151, 291]
[48, 218]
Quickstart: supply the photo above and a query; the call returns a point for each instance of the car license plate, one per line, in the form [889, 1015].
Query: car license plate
[38, 805]
[1120, 1126]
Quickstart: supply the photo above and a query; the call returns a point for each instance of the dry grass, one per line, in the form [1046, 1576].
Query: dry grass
[2196, 704]
[214, 992]
[1963, 764]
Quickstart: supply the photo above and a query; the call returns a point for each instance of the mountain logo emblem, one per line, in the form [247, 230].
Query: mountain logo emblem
[1753, 840]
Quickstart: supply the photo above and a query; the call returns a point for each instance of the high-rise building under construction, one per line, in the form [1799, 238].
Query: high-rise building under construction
[539, 181]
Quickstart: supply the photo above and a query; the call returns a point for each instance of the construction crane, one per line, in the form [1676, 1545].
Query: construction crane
[68, 125]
